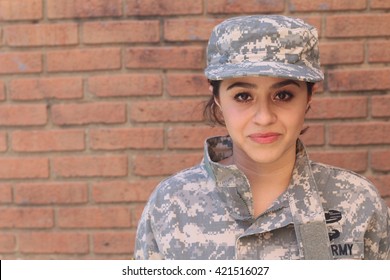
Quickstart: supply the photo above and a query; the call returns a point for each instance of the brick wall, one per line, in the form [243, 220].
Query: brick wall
[100, 99]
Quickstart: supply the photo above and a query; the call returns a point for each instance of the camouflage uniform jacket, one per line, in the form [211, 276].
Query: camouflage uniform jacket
[206, 212]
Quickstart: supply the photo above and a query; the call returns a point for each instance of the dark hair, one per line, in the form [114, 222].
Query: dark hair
[213, 114]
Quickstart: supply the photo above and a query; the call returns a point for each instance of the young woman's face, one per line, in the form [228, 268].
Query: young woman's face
[263, 115]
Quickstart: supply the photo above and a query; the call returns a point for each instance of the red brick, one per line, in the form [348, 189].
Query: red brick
[359, 79]
[342, 53]
[380, 4]
[380, 106]
[321, 5]
[187, 85]
[123, 191]
[20, 63]
[48, 140]
[335, 108]
[189, 57]
[53, 243]
[7, 243]
[51, 193]
[191, 137]
[314, 136]
[163, 8]
[5, 193]
[46, 88]
[359, 133]
[127, 138]
[113, 256]
[83, 60]
[113, 242]
[351, 160]
[370, 25]
[24, 168]
[380, 160]
[382, 183]
[2, 86]
[126, 85]
[27, 35]
[121, 32]
[167, 111]
[379, 51]
[3, 142]
[88, 113]
[188, 29]
[166, 164]
[20, 10]
[23, 115]
[249, 6]
[90, 166]
[58, 9]
[94, 217]
[26, 218]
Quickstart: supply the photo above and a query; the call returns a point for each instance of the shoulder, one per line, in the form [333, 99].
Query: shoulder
[186, 183]
[344, 184]
[342, 177]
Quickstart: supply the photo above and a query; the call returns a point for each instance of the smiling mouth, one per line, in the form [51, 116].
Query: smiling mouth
[265, 138]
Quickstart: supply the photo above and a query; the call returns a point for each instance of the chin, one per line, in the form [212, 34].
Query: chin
[265, 159]
[268, 153]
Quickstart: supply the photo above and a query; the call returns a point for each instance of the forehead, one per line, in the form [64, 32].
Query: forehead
[261, 82]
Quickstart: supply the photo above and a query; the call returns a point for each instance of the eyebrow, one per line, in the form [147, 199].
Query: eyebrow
[285, 83]
[242, 85]
[274, 86]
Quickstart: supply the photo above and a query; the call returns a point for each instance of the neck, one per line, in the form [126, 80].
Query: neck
[267, 180]
[271, 175]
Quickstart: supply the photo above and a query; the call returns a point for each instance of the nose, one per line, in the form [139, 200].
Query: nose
[264, 114]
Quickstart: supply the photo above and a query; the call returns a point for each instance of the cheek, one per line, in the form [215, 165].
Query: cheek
[293, 119]
[230, 117]
[233, 116]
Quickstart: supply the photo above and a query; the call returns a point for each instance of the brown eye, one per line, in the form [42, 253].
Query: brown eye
[243, 97]
[283, 96]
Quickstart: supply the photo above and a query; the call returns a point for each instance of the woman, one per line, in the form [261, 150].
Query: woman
[256, 195]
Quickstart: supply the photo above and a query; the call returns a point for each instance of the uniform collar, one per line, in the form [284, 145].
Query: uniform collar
[233, 186]
[301, 199]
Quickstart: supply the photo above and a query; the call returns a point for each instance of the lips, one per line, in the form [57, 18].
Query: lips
[265, 138]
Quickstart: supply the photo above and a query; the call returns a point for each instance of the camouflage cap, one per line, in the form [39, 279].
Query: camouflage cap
[264, 45]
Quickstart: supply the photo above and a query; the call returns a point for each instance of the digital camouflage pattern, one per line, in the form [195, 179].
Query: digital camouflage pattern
[264, 45]
[206, 212]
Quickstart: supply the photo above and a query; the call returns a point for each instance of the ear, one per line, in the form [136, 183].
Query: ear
[316, 87]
